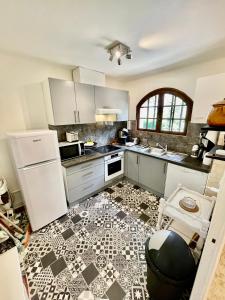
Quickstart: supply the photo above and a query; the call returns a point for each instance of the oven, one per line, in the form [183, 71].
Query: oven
[114, 165]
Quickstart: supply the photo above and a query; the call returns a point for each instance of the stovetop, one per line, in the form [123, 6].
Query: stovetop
[106, 149]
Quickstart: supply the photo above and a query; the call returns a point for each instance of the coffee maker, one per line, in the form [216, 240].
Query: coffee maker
[207, 141]
[123, 136]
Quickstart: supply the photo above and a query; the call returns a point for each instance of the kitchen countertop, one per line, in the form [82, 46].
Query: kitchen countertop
[81, 159]
[179, 159]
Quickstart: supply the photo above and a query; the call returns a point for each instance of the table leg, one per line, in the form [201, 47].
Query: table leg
[162, 203]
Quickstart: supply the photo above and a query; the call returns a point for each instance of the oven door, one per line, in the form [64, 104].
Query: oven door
[114, 167]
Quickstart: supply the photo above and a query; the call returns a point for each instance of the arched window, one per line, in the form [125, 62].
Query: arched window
[164, 110]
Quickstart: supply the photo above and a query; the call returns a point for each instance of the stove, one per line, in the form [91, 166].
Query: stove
[106, 149]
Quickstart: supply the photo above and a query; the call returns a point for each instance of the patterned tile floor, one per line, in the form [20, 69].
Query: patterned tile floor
[96, 251]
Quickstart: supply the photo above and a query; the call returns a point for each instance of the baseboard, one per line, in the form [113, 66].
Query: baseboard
[143, 187]
[17, 199]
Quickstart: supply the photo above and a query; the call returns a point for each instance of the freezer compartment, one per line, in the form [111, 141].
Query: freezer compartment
[43, 190]
[29, 149]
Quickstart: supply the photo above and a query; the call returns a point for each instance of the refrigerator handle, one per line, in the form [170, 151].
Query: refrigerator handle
[47, 162]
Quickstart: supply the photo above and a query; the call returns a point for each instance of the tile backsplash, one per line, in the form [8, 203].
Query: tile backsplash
[179, 143]
[102, 134]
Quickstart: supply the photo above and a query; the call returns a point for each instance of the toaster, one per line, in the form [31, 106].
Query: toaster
[72, 136]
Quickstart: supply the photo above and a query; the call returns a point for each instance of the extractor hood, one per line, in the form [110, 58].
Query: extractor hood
[107, 115]
[108, 111]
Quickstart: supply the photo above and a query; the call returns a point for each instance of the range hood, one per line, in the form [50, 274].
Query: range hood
[106, 114]
[108, 111]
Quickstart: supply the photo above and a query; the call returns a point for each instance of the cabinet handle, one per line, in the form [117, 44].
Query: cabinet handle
[75, 116]
[86, 166]
[137, 160]
[89, 173]
[165, 168]
[189, 171]
[87, 187]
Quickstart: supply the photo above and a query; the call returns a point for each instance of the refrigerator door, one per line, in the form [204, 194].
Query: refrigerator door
[33, 148]
[43, 191]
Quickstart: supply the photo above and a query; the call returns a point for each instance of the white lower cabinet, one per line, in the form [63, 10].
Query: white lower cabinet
[147, 171]
[192, 179]
[83, 179]
[87, 188]
[152, 173]
[131, 165]
[162, 177]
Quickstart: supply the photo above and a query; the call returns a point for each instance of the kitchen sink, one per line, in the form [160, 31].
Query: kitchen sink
[160, 152]
[167, 154]
[175, 156]
[155, 151]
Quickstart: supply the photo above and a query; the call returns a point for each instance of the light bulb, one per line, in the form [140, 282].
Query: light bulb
[118, 54]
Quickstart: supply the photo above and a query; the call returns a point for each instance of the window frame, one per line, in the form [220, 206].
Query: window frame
[160, 92]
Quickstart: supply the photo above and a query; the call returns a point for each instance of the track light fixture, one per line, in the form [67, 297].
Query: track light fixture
[117, 50]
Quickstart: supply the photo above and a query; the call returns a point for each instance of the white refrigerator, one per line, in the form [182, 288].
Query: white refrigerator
[38, 165]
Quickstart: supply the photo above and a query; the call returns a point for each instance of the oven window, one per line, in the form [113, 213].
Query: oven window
[114, 167]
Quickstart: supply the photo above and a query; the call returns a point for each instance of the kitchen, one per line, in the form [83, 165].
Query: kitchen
[108, 188]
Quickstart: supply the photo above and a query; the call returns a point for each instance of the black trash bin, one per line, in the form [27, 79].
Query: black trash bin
[170, 265]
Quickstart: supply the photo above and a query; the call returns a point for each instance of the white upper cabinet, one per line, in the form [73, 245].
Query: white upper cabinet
[85, 103]
[112, 98]
[60, 101]
[68, 102]
[209, 90]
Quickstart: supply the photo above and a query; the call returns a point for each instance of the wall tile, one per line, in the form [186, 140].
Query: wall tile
[102, 134]
[175, 142]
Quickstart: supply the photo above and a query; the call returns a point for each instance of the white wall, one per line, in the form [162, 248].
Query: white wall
[19, 78]
[209, 89]
[16, 72]
[184, 79]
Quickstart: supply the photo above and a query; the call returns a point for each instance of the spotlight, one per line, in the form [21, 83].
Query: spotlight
[111, 57]
[128, 56]
[118, 50]
[118, 54]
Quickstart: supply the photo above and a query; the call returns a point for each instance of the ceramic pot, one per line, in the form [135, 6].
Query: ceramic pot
[217, 115]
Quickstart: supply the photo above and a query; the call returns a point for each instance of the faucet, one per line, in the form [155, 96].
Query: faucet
[163, 148]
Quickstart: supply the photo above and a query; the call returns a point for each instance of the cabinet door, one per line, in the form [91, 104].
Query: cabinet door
[63, 101]
[85, 103]
[192, 179]
[112, 98]
[152, 173]
[132, 166]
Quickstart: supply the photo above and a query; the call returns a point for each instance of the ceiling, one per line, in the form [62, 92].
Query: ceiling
[161, 33]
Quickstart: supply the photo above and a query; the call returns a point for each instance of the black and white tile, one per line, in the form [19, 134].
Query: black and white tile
[96, 251]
